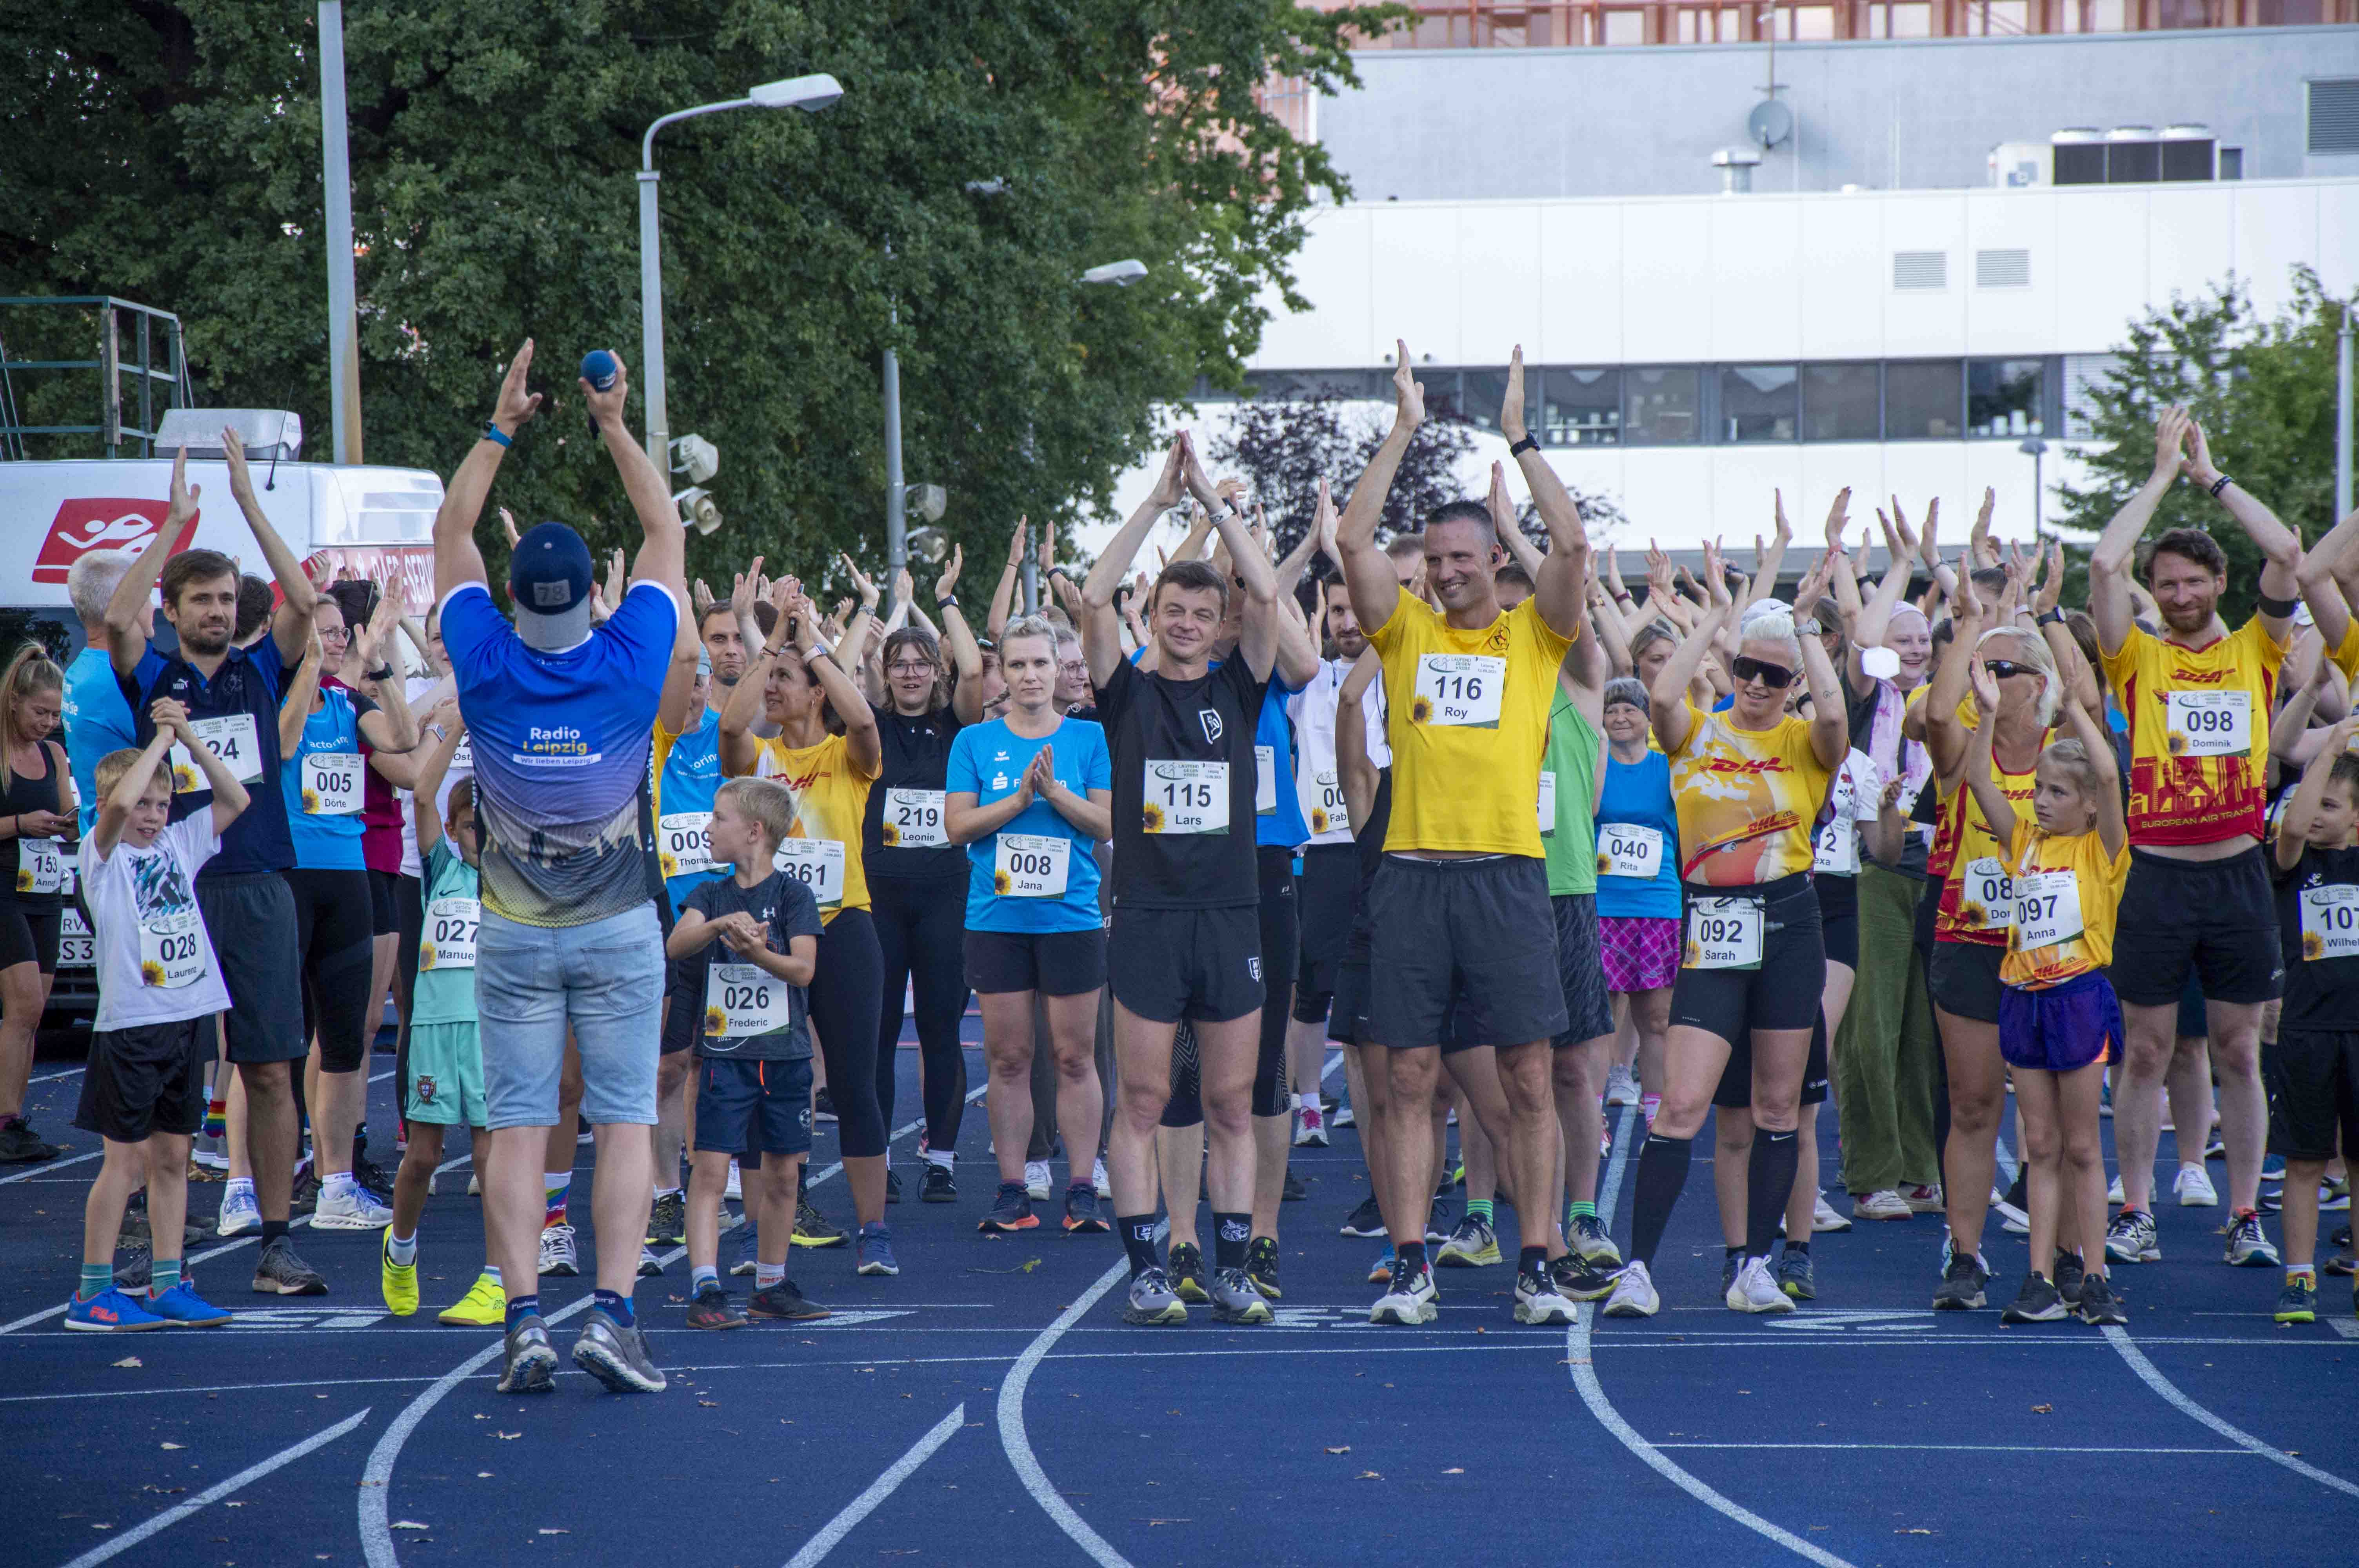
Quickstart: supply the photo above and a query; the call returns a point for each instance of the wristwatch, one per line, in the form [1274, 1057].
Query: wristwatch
[1525, 445]
[381, 672]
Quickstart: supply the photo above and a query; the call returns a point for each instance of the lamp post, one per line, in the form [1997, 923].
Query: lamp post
[809, 93]
[2034, 448]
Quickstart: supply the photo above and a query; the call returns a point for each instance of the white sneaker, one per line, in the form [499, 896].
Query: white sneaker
[1098, 1179]
[474, 1186]
[1634, 1294]
[349, 1209]
[1311, 1128]
[1621, 1086]
[736, 1187]
[1924, 1199]
[239, 1212]
[1823, 1217]
[557, 1257]
[2114, 1191]
[2012, 1220]
[1035, 1180]
[1882, 1203]
[2194, 1188]
[1753, 1290]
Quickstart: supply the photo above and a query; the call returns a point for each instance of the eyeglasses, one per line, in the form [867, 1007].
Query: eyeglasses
[2002, 668]
[908, 667]
[336, 634]
[1746, 668]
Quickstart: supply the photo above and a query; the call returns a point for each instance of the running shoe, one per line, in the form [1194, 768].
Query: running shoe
[1451, 1176]
[1579, 1282]
[616, 1355]
[239, 1212]
[486, 1305]
[1100, 1181]
[2297, 1302]
[937, 1186]
[1796, 1277]
[2333, 1196]
[183, 1308]
[1010, 1212]
[136, 1269]
[2011, 1217]
[1825, 1218]
[1539, 1301]
[2067, 1271]
[20, 1145]
[1342, 1116]
[1923, 1198]
[650, 1266]
[1409, 1298]
[892, 1184]
[812, 1228]
[557, 1257]
[1882, 1203]
[349, 1207]
[2272, 1169]
[373, 1178]
[280, 1273]
[822, 1105]
[1621, 1086]
[210, 1151]
[1382, 1269]
[1310, 1131]
[2113, 1190]
[786, 1300]
[1153, 1303]
[2037, 1302]
[2342, 1262]
[2105, 1097]
[876, 1249]
[399, 1281]
[736, 1187]
[1186, 1274]
[1590, 1240]
[2215, 1146]
[111, 1312]
[1035, 1180]
[2248, 1247]
[1081, 1215]
[2193, 1188]
[1367, 1221]
[1755, 1290]
[1472, 1246]
[2131, 1238]
[304, 1195]
[1438, 1228]
[1235, 1300]
[714, 1307]
[2342, 1238]
[1633, 1293]
[1293, 1191]
[668, 1220]
[529, 1361]
[1961, 1285]
[1261, 1266]
[2099, 1305]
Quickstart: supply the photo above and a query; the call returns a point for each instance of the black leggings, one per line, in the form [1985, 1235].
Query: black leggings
[335, 937]
[921, 934]
[844, 993]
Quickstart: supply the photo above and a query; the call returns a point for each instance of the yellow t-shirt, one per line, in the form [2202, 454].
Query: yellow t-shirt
[2184, 789]
[1746, 799]
[830, 801]
[2346, 657]
[2096, 887]
[1470, 721]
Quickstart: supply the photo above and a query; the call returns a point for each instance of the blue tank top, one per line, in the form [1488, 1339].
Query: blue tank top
[1638, 794]
[1277, 806]
[324, 783]
[692, 773]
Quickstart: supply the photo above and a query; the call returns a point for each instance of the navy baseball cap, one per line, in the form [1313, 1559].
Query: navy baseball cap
[550, 571]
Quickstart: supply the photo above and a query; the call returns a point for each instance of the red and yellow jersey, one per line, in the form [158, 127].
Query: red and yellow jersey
[831, 803]
[2199, 733]
[2068, 891]
[1971, 860]
[1747, 798]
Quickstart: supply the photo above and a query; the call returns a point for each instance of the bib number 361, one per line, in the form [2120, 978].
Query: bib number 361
[818, 864]
[1723, 934]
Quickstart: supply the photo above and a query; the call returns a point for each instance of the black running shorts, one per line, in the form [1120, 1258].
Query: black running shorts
[2217, 917]
[1482, 930]
[1164, 964]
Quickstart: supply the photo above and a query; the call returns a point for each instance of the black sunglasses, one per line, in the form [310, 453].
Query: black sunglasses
[1746, 668]
[2002, 668]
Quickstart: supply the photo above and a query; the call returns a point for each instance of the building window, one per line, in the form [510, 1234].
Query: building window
[2335, 117]
[1481, 393]
[1840, 402]
[2003, 269]
[1758, 403]
[2232, 163]
[2006, 398]
[1581, 407]
[1921, 401]
[1658, 406]
[1921, 269]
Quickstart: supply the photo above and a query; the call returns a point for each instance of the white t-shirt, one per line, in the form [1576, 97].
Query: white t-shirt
[411, 865]
[155, 958]
[1854, 797]
[1312, 709]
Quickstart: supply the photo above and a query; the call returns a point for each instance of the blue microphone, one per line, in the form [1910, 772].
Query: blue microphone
[600, 368]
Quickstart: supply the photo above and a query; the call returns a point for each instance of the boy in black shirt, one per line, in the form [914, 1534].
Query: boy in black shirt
[2313, 1068]
[753, 939]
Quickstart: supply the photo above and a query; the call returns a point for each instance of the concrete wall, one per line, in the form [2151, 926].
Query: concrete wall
[1913, 114]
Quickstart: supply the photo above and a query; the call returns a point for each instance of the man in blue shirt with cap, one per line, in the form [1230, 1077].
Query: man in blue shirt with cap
[562, 718]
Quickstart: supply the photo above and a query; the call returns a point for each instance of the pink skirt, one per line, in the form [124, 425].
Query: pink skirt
[1641, 953]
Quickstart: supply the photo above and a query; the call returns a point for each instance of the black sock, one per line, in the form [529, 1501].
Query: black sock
[1735, 1251]
[1230, 1234]
[1138, 1241]
[272, 1229]
[1411, 1253]
[1793, 1247]
[1769, 1177]
[1531, 1261]
[1662, 1172]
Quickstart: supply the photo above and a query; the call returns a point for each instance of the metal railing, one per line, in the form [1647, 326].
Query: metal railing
[111, 365]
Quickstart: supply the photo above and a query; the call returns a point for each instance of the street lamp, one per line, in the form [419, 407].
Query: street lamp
[809, 93]
[1114, 274]
[2034, 448]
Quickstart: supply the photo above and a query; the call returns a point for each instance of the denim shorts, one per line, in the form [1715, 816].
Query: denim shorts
[604, 979]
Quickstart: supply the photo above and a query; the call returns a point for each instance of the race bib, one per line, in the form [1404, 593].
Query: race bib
[1838, 850]
[2209, 723]
[1187, 797]
[680, 843]
[1548, 805]
[462, 760]
[76, 949]
[448, 941]
[818, 864]
[1459, 688]
[1265, 781]
[1723, 934]
[1985, 895]
[1030, 865]
[914, 820]
[41, 867]
[741, 1000]
[2330, 922]
[232, 739]
[332, 784]
[172, 950]
[1322, 804]
[2047, 909]
[1625, 849]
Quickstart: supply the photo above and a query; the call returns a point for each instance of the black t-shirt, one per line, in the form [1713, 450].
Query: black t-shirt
[788, 909]
[1180, 745]
[2322, 992]
[917, 758]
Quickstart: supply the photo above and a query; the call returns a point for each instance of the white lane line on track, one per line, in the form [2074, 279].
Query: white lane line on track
[1584, 1377]
[2151, 1375]
[300, 1222]
[211, 1495]
[2347, 1327]
[46, 1166]
[1018, 1444]
[884, 1486]
[53, 1077]
[1956, 1448]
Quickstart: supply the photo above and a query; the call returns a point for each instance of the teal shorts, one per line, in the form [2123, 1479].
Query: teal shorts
[446, 1074]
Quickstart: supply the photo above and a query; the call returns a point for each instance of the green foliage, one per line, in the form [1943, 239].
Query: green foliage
[2264, 392]
[170, 154]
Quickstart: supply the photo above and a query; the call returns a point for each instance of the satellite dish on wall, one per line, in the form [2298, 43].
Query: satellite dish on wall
[1770, 123]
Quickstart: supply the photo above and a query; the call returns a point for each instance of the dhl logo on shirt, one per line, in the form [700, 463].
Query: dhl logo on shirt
[1743, 765]
[2198, 678]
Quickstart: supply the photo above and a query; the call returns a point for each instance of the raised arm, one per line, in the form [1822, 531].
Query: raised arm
[2319, 576]
[862, 744]
[116, 808]
[290, 623]
[958, 642]
[1102, 635]
[1667, 702]
[2281, 547]
[1998, 811]
[2110, 561]
[1356, 772]
[1927, 546]
[1298, 559]
[1559, 582]
[2293, 825]
[2082, 687]
[2113, 829]
[456, 558]
[1503, 522]
[1829, 718]
[1769, 559]
[1367, 572]
[295, 703]
[1257, 637]
[433, 764]
[663, 549]
[127, 642]
[392, 728]
[1003, 596]
[1945, 736]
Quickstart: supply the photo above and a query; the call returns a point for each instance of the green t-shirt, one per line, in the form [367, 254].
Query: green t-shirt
[1569, 782]
[445, 992]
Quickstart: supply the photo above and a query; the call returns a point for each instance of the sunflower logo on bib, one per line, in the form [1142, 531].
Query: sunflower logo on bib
[1604, 864]
[24, 879]
[887, 834]
[310, 804]
[2175, 743]
[1154, 818]
[1318, 819]
[151, 973]
[1000, 884]
[1972, 913]
[1693, 957]
[425, 956]
[2313, 946]
[1420, 711]
[716, 1023]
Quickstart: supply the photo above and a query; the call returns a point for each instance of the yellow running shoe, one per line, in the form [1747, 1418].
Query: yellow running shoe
[399, 1281]
[486, 1305]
